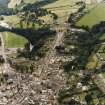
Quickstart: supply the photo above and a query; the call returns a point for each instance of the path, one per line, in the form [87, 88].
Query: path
[6, 66]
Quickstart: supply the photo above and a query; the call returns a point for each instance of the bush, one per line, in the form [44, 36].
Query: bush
[1, 18]
[42, 51]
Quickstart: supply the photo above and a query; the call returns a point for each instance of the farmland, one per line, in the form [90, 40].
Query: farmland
[94, 16]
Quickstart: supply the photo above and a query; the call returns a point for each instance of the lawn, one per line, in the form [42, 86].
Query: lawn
[94, 16]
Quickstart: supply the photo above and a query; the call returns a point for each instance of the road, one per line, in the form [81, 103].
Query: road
[3, 52]
[5, 65]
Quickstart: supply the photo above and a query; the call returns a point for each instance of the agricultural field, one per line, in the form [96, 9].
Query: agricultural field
[94, 16]
[62, 8]
[13, 40]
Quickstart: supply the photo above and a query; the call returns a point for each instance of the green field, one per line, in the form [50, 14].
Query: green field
[63, 10]
[13, 40]
[94, 16]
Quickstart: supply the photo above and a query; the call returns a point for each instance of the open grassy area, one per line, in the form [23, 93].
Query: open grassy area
[94, 16]
[13, 40]
[63, 8]
[12, 20]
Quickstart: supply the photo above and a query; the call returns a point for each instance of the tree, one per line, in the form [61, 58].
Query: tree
[31, 14]
[2, 60]
[88, 99]
[1, 18]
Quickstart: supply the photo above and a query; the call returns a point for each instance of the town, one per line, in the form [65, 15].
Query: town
[52, 52]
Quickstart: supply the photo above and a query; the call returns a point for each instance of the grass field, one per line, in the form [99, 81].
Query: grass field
[13, 40]
[12, 20]
[94, 16]
[63, 10]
